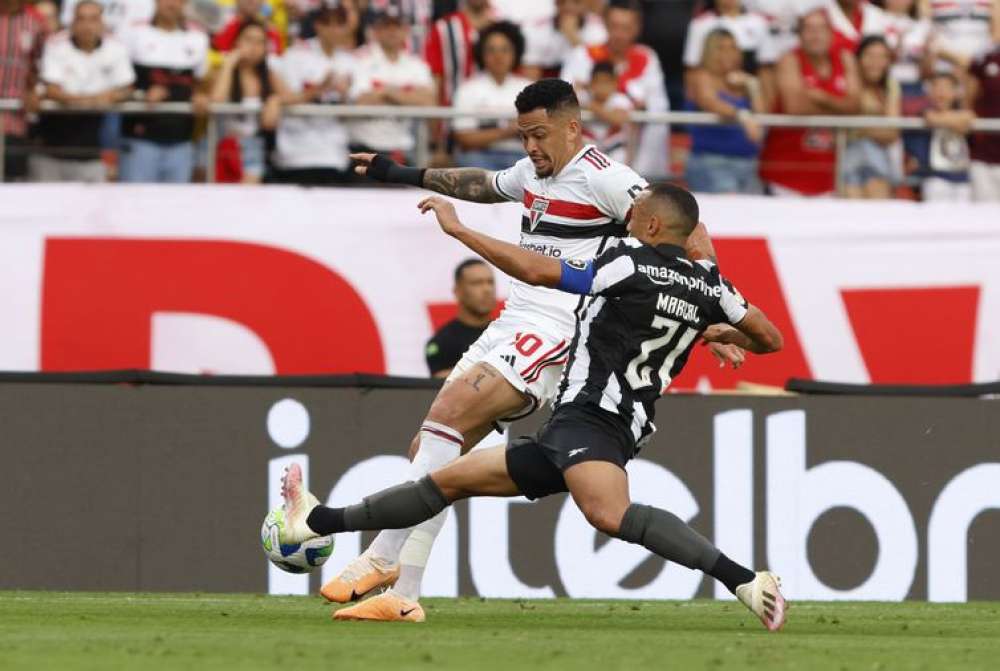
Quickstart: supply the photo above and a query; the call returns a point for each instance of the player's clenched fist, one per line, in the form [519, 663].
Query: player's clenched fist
[363, 162]
[445, 212]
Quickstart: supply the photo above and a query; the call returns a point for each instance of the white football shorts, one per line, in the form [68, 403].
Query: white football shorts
[530, 357]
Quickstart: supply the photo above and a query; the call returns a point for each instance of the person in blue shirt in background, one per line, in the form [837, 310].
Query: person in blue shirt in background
[723, 159]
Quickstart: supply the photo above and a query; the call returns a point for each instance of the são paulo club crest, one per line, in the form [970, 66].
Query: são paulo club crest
[538, 207]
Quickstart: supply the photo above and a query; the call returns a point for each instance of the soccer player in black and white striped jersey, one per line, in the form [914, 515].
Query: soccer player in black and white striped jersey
[650, 305]
[575, 202]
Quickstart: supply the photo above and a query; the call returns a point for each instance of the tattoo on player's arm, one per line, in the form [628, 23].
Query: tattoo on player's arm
[473, 184]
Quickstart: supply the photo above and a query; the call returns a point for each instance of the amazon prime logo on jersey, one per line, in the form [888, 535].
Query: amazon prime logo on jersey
[538, 208]
[668, 276]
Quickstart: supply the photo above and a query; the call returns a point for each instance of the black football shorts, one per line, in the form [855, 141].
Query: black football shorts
[573, 434]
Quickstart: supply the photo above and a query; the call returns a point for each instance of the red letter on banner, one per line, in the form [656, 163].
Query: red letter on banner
[99, 296]
[748, 264]
[916, 335]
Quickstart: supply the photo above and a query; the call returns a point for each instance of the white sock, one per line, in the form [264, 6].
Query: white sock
[439, 445]
[414, 555]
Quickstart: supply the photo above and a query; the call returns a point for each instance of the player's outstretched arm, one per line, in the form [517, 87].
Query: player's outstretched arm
[472, 184]
[520, 263]
[754, 333]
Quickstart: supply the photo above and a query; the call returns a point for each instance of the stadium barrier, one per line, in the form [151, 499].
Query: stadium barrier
[841, 125]
[296, 281]
[163, 487]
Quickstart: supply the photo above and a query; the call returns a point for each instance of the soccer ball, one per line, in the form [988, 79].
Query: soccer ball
[300, 558]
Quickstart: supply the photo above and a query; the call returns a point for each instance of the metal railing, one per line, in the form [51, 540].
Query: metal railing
[841, 125]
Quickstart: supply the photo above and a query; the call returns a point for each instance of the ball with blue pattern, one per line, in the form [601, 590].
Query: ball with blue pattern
[298, 558]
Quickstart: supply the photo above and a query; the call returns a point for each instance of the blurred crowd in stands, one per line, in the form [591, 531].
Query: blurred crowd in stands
[938, 59]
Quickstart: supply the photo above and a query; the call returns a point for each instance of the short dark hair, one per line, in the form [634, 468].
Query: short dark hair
[552, 95]
[327, 15]
[680, 200]
[627, 5]
[508, 30]
[460, 268]
[603, 68]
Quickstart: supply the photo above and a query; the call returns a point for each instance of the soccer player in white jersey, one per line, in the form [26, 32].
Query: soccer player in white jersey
[576, 203]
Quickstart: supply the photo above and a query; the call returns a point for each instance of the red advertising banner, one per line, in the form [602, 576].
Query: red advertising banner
[287, 280]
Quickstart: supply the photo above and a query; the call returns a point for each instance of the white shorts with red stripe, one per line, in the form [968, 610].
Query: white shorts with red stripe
[530, 357]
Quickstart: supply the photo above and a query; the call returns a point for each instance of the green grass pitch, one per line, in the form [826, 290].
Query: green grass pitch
[69, 631]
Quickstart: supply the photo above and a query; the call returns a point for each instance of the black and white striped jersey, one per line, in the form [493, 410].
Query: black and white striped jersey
[633, 338]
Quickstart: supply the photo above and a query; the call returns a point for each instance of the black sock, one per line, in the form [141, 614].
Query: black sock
[399, 507]
[325, 521]
[729, 573]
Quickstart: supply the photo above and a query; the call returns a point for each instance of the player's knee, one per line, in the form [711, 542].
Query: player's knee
[602, 517]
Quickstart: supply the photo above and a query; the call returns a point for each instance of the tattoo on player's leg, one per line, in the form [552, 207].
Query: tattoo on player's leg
[479, 378]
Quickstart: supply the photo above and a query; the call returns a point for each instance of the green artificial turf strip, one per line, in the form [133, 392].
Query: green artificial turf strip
[69, 631]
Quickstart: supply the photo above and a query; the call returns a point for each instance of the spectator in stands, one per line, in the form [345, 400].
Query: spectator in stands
[941, 155]
[313, 150]
[782, 20]
[723, 159]
[247, 11]
[815, 78]
[664, 29]
[639, 77]
[852, 20]
[984, 94]
[868, 167]
[475, 292]
[245, 78]
[119, 15]
[549, 41]
[49, 11]
[450, 46]
[749, 29]
[22, 35]
[80, 68]
[907, 36]
[966, 30]
[387, 74]
[169, 58]
[485, 143]
[610, 129]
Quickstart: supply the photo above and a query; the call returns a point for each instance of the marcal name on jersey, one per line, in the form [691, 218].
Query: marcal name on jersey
[678, 307]
[662, 275]
[544, 250]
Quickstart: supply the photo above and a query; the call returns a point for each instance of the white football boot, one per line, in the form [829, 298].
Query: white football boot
[299, 502]
[762, 596]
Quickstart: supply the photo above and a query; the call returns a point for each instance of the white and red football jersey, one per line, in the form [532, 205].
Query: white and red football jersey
[963, 26]
[866, 20]
[449, 52]
[749, 29]
[573, 215]
[640, 77]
